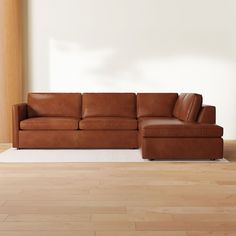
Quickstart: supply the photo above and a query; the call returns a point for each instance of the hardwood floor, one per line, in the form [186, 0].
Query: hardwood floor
[119, 199]
[230, 150]
[4, 146]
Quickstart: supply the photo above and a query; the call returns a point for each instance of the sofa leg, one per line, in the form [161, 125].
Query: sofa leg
[213, 158]
[151, 159]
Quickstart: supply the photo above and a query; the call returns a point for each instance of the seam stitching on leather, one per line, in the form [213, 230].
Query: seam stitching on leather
[191, 108]
[181, 108]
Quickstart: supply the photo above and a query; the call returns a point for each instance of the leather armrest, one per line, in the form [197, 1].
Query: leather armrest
[19, 113]
[207, 115]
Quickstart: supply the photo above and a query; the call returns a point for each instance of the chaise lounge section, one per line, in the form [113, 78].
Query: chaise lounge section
[185, 131]
[163, 125]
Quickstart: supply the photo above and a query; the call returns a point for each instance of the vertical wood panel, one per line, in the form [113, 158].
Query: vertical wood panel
[11, 62]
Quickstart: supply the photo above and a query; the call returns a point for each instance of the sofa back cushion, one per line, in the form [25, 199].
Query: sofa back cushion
[54, 104]
[156, 104]
[188, 106]
[109, 105]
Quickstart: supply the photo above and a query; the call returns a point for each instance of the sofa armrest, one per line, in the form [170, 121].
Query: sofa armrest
[207, 115]
[19, 113]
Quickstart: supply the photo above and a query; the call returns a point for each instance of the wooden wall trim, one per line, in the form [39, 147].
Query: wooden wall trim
[11, 62]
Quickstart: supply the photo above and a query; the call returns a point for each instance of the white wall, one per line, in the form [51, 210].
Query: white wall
[136, 45]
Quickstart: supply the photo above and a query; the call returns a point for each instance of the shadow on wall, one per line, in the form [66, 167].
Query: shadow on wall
[136, 45]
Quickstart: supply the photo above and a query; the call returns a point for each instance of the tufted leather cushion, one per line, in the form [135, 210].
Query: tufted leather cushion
[54, 104]
[109, 105]
[156, 104]
[188, 106]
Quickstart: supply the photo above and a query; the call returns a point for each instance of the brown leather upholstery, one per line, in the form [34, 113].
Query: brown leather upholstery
[109, 105]
[19, 113]
[108, 139]
[54, 104]
[171, 127]
[108, 123]
[182, 148]
[154, 121]
[52, 120]
[48, 138]
[78, 139]
[207, 115]
[188, 106]
[156, 104]
[49, 123]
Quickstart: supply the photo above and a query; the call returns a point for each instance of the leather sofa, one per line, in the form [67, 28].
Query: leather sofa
[163, 125]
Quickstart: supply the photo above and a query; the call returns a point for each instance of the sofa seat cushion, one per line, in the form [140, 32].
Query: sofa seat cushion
[171, 127]
[50, 123]
[108, 123]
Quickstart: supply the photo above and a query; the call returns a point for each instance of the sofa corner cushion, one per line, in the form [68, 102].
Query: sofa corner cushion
[156, 104]
[108, 123]
[54, 104]
[187, 106]
[109, 105]
[49, 123]
[171, 127]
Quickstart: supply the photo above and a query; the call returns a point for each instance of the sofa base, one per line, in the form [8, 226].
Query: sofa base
[182, 148]
[78, 139]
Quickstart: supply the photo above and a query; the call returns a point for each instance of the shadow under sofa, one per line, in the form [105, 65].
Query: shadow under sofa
[163, 125]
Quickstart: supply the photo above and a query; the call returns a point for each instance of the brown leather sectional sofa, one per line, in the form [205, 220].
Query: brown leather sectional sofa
[163, 125]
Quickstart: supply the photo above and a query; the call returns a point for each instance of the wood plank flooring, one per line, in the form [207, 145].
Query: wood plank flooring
[119, 199]
[230, 150]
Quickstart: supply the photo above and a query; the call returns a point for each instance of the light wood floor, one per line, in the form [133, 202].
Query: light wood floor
[119, 199]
